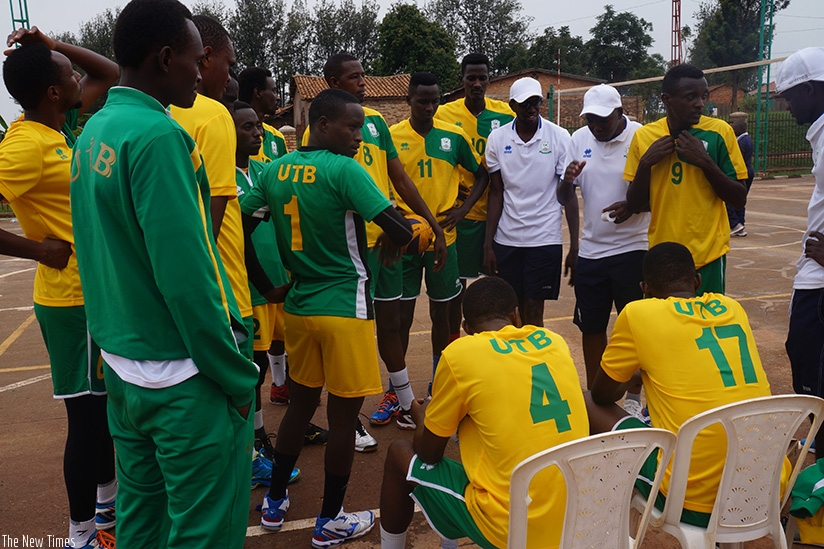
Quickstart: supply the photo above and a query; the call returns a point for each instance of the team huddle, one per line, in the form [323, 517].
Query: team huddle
[208, 254]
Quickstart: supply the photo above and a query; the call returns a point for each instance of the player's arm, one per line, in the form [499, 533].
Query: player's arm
[479, 185]
[573, 221]
[606, 390]
[814, 247]
[397, 232]
[409, 193]
[638, 190]
[566, 186]
[254, 270]
[101, 73]
[217, 209]
[620, 360]
[429, 446]
[494, 208]
[692, 150]
[50, 252]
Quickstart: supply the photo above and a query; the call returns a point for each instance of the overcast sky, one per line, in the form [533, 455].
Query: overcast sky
[798, 26]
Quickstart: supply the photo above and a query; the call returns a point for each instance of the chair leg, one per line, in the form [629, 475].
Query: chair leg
[789, 531]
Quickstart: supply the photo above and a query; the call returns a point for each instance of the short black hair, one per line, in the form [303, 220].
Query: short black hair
[676, 73]
[474, 59]
[488, 298]
[148, 25]
[334, 65]
[240, 105]
[421, 79]
[28, 72]
[212, 33]
[250, 79]
[330, 103]
[668, 265]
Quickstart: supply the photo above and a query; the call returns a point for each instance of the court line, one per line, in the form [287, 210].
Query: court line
[15, 334]
[17, 272]
[25, 382]
[24, 369]
[29, 308]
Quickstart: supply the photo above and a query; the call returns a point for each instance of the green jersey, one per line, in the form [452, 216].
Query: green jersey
[154, 284]
[318, 201]
[263, 237]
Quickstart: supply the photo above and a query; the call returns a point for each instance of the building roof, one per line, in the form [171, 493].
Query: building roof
[458, 92]
[376, 86]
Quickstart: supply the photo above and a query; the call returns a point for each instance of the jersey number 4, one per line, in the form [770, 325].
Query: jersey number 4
[546, 402]
[709, 341]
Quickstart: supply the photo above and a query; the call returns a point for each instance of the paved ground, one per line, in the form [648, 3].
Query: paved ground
[32, 497]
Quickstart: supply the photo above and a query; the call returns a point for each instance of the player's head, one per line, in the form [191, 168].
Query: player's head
[475, 75]
[230, 93]
[257, 87]
[248, 128]
[684, 92]
[603, 112]
[336, 119]
[800, 80]
[344, 71]
[669, 270]
[739, 126]
[489, 301]
[36, 75]
[159, 49]
[218, 56]
[526, 98]
[423, 96]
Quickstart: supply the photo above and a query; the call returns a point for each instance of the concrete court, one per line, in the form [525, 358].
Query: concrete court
[32, 496]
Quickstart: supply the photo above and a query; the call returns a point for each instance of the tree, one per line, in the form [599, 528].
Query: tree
[408, 42]
[253, 27]
[346, 28]
[96, 34]
[618, 45]
[543, 53]
[215, 9]
[295, 44]
[497, 28]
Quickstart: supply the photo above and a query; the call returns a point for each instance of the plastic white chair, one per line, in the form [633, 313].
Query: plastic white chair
[747, 505]
[600, 473]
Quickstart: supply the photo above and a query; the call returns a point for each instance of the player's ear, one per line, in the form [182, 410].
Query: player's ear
[644, 289]
[207, 53]
[697, 281]
[467, 328]
[515, 317]
[164, 58]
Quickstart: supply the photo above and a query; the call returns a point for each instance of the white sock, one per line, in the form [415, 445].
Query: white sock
[392, 541]
[449, 543]
[258, 419]
[402, 388]
[106, 493]
[79, 532]
[277, 363]
[634, 396]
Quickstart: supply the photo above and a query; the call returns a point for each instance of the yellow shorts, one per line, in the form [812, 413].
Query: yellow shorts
[268, 325]
[340, 352]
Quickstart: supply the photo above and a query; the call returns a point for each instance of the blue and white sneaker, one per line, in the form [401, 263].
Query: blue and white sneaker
[346, 526]
[274, 512]
[104, 515]
[96, 540]
[386, 410]
[262, 471]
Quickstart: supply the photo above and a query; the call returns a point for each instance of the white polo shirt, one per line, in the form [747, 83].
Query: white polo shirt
[530, 172]
[810, 274]
[602, 184]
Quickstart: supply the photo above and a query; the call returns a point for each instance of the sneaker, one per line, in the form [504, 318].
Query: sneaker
[405, 420]
[742, 232]
[387, 409]
[274, 512]
[97, 540]
[634, 408]
[262, 472]
[104, 515]
[737, 229]
[279, 395]
[333, 532]
[264, 445]
[363, 440]
[315, 435]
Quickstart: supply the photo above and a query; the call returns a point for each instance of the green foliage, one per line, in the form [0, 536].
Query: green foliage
[296, 40]
[346, 28]
[618, 45]
[215, 9]
[253, 27]
[408, 42]
[96, 34]
[543, 53]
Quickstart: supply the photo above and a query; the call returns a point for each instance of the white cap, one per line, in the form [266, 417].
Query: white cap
[524, 88]
[601, 101]
[803, 66]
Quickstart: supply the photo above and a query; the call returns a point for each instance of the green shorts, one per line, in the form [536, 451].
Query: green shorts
[470, 242]
[386, 282]
[441, 286]
[76, 365]
[647, 476]
[440, 493]
[713, 277]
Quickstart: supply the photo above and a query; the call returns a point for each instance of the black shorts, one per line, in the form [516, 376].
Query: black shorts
[601, 282]
[535, 272]
[805, 341]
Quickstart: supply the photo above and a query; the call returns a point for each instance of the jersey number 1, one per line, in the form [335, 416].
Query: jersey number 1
[709, 341]
[546, 402]
[291, 209]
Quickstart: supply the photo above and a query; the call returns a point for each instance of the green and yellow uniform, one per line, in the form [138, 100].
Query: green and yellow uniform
[273, 145]
[694, 355]
[531, 369]
[684, 206]
[158, 302]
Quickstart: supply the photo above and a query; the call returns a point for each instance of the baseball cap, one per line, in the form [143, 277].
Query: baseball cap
[803, 66]
[601, 101]
[524, 88]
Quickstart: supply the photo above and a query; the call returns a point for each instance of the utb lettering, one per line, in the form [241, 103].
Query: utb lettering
[691, 308]
[298, 173]
[104, 160]
[534, 341]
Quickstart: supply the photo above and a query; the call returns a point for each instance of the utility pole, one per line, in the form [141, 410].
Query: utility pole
[762, 111]
[675, 51]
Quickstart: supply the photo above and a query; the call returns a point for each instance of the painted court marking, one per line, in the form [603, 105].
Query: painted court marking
[16, 334]
[18, 272]
[25, 382]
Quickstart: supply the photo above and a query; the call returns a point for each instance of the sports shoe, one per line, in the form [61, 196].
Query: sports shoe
[634, 408]
[104, 515]
[363, 440]
[742, 232]
[387, 409]
[279, 395]
[737, 229]
[333, 532]
[405, 420]
[262, 471]
[274, 512]
[315, 435]
[97, 540]
[264, 445]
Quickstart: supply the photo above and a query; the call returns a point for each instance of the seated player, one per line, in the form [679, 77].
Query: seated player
[532, 370]
[694, 354]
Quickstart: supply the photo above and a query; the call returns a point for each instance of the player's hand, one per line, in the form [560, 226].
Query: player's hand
[451, 217]
[622, 212]
[659, 150]
[418, 410]
[244, 410]
[574, 170]
[440, 251]
[55, 253]
[28, 36]
[570, 265]
[490, 261]
[278, 293]
[691, 149]
[814, 247]
[389, 252]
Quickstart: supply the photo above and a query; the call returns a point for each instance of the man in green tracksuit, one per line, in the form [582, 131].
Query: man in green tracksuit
[158, 300]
